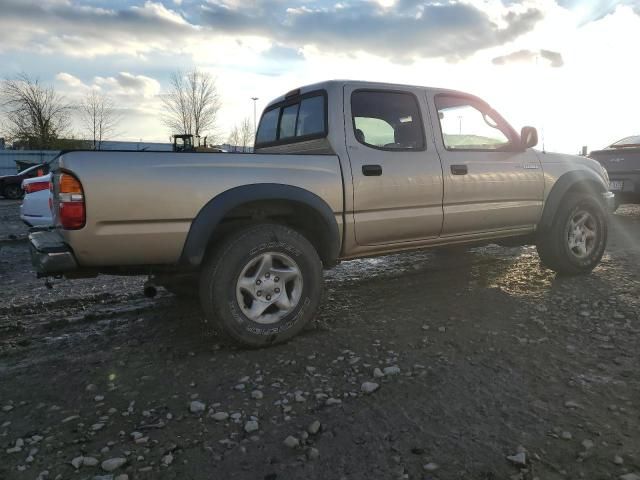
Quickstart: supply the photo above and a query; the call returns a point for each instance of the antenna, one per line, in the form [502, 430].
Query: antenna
[540, 103]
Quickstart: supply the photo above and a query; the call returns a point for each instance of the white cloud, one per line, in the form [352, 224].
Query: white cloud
[125, 83]
[70, 81]
[79, 30]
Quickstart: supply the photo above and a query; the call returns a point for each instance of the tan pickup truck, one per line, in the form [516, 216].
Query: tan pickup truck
[341, 170]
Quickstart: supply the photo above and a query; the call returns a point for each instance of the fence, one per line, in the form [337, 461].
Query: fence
[8, 159]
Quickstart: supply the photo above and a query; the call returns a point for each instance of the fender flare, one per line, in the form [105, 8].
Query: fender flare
[594, 184]
[208, 218]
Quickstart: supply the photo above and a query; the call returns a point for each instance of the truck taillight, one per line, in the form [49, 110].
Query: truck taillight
[71, 211]
[35, 187]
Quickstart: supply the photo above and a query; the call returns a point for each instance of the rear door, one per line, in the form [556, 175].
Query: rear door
[490, 183]
[397, 176]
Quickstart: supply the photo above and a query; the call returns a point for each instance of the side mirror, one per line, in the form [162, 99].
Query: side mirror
[528, 137]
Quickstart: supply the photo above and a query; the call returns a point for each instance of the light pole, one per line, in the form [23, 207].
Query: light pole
[255, 127]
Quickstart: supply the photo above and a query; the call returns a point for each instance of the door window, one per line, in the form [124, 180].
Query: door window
[387, 120]
[467, 125]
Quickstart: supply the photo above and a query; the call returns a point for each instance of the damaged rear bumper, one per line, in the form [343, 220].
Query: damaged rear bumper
[50, 255]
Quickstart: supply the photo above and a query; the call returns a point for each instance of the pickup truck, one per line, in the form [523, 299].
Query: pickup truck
[341, 170]
[621, 159]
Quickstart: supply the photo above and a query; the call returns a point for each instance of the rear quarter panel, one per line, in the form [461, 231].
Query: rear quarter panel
[140, 205]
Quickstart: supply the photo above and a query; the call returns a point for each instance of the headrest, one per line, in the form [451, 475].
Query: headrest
[407, 135]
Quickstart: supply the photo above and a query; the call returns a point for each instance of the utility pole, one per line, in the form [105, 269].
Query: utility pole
[255, 127]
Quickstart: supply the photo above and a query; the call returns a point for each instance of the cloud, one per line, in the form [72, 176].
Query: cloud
[123, 84]
[135, 97]
[82, 30]
[70, 80]
[529, 56]
[402, 32]
[280, 53]
[595, 10]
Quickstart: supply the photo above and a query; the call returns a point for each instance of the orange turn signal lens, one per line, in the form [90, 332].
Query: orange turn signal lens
[69, 184]
[71, 213]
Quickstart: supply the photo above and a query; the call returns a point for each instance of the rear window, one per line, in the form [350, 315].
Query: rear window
[268, 127]
[294, 120]
[288, 121]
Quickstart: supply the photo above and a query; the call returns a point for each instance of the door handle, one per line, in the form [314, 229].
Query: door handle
[371, 170]
[459, 169]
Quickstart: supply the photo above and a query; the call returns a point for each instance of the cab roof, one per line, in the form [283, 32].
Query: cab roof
[332, 85]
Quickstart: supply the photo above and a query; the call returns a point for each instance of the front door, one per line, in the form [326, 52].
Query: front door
[397, 176]
[490, 182]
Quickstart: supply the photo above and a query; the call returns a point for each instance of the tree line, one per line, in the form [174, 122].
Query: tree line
[36, 116]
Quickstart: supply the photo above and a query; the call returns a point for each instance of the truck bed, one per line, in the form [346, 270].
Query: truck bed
[140, 205]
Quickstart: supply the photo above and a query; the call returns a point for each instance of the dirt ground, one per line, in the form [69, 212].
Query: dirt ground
[487, 356]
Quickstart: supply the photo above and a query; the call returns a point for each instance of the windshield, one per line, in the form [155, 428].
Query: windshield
[632, 141]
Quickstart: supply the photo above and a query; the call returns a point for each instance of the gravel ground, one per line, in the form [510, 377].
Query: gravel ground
[421, 366]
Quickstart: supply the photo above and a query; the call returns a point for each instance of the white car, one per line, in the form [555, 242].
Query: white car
[35, 210]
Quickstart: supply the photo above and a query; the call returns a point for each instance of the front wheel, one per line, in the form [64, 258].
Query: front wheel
[577, 238]
[262, 286]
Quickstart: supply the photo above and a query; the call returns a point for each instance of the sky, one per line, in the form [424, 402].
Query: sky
[567, 67]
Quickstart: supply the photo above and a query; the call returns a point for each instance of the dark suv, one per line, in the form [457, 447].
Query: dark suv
[622, 162]
[11, 185]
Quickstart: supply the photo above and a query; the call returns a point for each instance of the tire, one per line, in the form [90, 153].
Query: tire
[13, 192]
[577, 238]
[262, 285]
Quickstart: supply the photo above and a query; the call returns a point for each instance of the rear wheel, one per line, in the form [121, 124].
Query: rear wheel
[262, 286]
[577, 238]
[13, 192]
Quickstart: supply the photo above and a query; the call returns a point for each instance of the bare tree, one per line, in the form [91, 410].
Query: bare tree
[35, 114]
[99, 117]
[234, 138]
[191, 105]
[246, 133]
